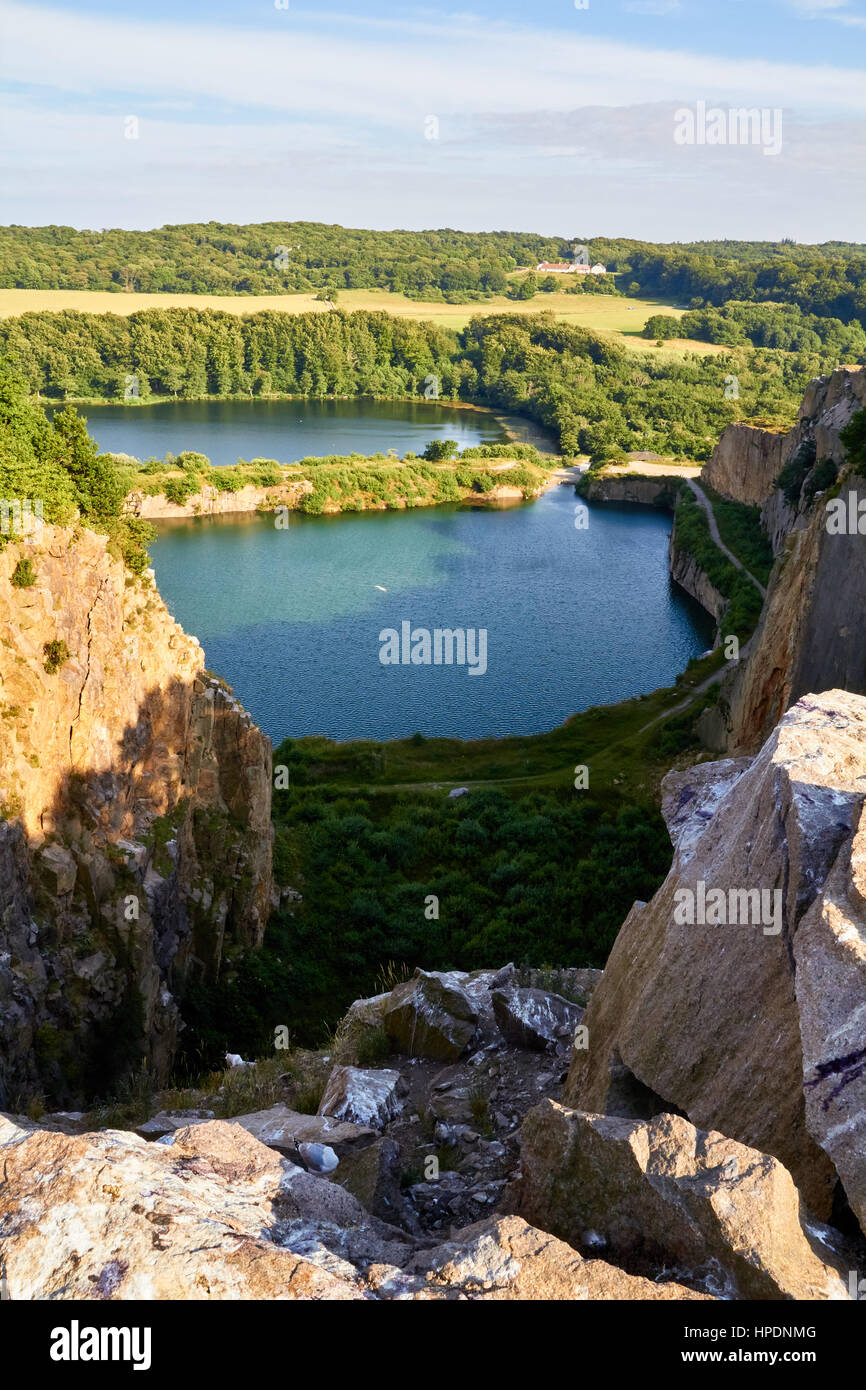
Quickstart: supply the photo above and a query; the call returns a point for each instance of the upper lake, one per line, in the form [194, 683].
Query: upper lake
[291, 618]
[285, 430]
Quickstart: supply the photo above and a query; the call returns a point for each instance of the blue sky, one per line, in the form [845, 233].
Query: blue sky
[552, 116]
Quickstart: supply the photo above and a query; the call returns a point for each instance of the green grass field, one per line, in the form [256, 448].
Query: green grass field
[628, 748]
[622, 318]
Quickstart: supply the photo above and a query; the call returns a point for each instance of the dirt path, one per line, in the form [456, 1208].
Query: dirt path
[705, 502]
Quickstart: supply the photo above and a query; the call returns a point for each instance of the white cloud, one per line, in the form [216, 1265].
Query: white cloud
[321, 117]
[385, 73]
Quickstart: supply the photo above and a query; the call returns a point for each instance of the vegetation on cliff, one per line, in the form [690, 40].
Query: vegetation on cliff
[692, 534]
[56, 463]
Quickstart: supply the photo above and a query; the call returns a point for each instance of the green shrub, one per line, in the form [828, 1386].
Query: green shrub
[24, 575]
[56, 653]
[179, 490]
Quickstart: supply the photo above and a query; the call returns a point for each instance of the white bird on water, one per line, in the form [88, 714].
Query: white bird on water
[381, 588]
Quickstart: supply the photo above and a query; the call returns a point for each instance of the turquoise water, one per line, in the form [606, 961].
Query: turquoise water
[284, 430]
[292, 618]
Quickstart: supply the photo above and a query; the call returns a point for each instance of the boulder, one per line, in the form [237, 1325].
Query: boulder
[502, 1259]
[533, 1017]
[168, 1121]
[755, 1029]
[284, 1129]
[660, 1191]
[211, 1213]
[430, 1016]
[830, 982]
[373, 1176]
[363, 1097]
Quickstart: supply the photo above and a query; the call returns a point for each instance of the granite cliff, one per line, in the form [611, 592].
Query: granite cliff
[135, 839]
[812, 632]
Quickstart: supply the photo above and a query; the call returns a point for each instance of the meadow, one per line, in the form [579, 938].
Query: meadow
[623, 319]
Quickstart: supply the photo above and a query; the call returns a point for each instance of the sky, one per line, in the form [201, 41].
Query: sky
[574, 118]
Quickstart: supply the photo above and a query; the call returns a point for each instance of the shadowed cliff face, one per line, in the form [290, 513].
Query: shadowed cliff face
[135, 843]
[812, 633]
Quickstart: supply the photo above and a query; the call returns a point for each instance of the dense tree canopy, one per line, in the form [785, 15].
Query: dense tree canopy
[764, 325]
[269, 258]
[593, 393]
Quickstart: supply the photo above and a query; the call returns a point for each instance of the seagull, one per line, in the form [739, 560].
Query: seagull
[381, 588]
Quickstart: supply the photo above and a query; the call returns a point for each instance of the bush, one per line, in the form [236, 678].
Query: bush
[55, 653]
[179, 490]
[191, 462]
[439, 449]
[24, 575]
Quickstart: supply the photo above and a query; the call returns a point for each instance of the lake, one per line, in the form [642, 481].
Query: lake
[292, 618]
[285, 430]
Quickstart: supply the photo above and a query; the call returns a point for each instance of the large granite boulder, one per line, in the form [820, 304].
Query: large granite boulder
[749, 1017]
[207, 1213]
[503, 1259]
[662, 1190]
[534, 1018]
[362, 1096]
[430, 1016]
[285, 1130]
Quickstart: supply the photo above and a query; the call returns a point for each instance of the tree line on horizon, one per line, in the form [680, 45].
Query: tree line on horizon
[293, 257]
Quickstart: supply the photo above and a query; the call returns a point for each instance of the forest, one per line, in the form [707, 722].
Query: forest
[596, 395]
[783, 326]
[827, 280]
[287, 257]
[269, 258]
[509, 871]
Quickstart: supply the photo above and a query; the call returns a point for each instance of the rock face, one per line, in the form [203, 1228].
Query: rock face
[630, 487]
[686, 571]
[754, 1030]
[745, 463]
[664, 1190]
[812, 633]
[135, 838]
